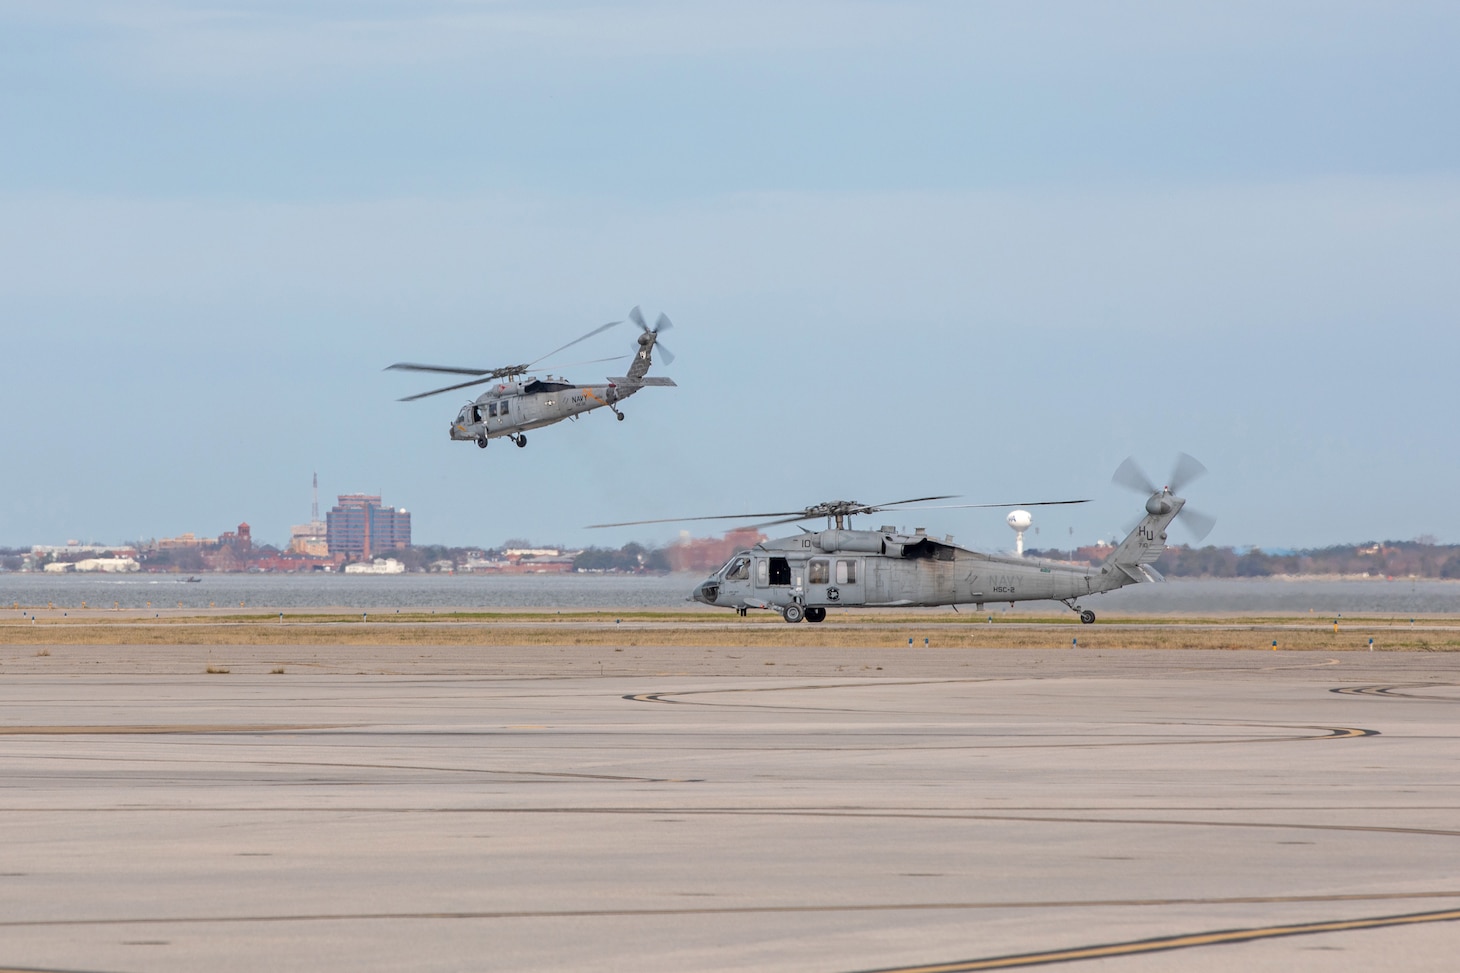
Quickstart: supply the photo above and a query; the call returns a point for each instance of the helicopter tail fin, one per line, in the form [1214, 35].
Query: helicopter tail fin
[1144, 545]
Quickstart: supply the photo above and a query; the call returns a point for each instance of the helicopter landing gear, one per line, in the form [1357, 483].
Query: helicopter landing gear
[619, 414]
[482, 442]
[521, 440]
[816, 614]
[1087, 617]
[794, 613]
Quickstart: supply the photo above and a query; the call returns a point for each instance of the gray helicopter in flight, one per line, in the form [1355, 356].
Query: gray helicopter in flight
[801, 577]
[517, 403]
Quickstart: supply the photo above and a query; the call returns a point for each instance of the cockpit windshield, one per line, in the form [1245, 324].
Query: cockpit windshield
[737, 568]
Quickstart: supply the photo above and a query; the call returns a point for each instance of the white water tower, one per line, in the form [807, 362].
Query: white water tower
[1019, 520]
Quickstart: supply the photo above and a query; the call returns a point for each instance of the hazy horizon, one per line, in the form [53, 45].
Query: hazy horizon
[917, 248]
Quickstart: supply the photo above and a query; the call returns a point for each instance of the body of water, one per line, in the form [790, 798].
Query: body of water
[435, 591]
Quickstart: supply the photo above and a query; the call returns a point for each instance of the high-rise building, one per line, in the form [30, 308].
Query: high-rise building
[360, 526]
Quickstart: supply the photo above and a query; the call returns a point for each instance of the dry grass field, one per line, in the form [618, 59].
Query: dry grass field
[940, 629]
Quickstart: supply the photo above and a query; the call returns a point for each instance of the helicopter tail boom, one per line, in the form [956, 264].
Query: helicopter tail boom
[660, 381]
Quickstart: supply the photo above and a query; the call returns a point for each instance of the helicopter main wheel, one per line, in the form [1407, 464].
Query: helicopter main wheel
[817, 614]
[794, 613]
[1087, 616]
[620, 416]
[482, 442]
[521, 440]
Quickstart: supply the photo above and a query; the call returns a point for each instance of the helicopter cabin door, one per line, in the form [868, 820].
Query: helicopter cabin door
[834, 581]
[772, 572]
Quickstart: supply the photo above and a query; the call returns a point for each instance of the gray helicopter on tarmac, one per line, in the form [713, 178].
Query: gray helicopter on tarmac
[517, 403]
[801, 577]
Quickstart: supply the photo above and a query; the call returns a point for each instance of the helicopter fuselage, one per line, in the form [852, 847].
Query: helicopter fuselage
[514, 407]
[511, 408]
[802, 577]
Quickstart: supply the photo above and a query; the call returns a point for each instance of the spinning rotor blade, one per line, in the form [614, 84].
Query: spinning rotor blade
[592, 361]
[1026, 503]
[660, 325]
[1132, 477]
[598, 330]
[1198, 523]
[872, 507]
[678, 520]
[786, 516]
[449, 388]
[1187, 469]
[406, 366]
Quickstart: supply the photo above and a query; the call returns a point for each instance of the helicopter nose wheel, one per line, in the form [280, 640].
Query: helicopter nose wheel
[1087, 616]
[482, 442]
[521, 440]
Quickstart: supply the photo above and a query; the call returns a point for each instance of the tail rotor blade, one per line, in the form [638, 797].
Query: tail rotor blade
[1187, 469]
[667, 354]
[1132, 477]
[1198, 523]
[663, 324]
[637, 317]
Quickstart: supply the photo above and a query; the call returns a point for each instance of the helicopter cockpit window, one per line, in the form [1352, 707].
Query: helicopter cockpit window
[818, 571]
[738, 569]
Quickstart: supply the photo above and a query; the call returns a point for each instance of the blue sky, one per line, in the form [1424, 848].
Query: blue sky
[909, 248]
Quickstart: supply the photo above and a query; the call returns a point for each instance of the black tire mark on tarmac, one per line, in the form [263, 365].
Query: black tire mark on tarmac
[1168, 943]
[1400, 692]
[1323, 732]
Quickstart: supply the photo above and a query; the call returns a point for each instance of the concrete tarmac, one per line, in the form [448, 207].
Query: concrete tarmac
[659, 809]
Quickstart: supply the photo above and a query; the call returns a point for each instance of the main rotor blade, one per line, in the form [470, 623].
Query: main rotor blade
[449, 388]
[1198, 523]
[1130, 476]
[1187, 469]
[899, 503]
[974, 506]
[777, 523]
[798, 514]
[592, 361]
[406, 366]
[598, 330]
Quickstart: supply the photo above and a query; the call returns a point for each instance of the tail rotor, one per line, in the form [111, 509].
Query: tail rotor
[1185, 471]
[661, 324]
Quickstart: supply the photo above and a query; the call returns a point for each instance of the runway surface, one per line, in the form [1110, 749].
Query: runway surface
[657, 809]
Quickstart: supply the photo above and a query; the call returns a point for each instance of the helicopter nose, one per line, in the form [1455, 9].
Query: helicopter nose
[707, 592]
